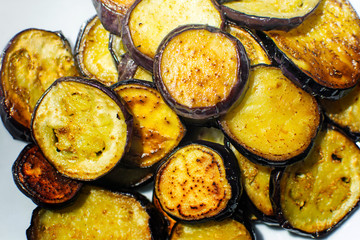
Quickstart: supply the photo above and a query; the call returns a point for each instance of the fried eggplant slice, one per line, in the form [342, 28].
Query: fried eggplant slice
[256, 182]
[148, 21]
[111, 13]
[268, 15]
[92, 53]
[82, 127]
[157, 129]
[316, 195]
[253, 46]
[198, 182]
[40, 181]
[99, 214]
[226, 229]
[345, 112]
[127, 67]
[30, 63]
[276, 122]
[201, 81]
[322, 55]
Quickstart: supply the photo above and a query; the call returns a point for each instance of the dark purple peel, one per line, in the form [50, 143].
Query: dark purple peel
[300, 78]
[262, 22]
[110, 15]
[16, 130]
[201, 114]
[127, 68]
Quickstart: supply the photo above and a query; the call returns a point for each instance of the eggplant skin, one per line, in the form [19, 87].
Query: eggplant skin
[111, 13]
[15, 129]
[217, 107]
[91, 197]
[264, 23]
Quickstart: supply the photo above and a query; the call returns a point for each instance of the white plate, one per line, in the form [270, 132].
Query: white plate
[68, 16]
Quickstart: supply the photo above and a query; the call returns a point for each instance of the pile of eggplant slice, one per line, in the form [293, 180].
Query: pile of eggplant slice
[232, 112]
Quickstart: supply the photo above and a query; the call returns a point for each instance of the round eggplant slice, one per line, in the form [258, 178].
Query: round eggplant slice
[198, 182]
[253, 46]
[268, 15]
[256, 182]
[111, 13]
[276, 122]
[157, 129]
[82, 127]
[40, 181]
[326, 68]
[201, 81]
[127, 67]
[345, 112]
[100, 214]
[226, 229]
[314, 196]
[92, 53]
[30, 63]
[148, 21]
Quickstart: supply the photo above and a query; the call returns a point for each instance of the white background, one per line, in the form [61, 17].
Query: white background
[68, 16]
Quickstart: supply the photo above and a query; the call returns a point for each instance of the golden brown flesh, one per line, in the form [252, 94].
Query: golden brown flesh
[276, 121]
[151, 20]
[228, 229]
[318, 193]
[96, 214]
[256, 181]
[81, 127]
[93, 55]
[255, 51]
[40, 181]
[345, 112]
[326, 45]
[33, 60]
[157, 129]
[273, 8]
[201, 81]
[192, 184]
